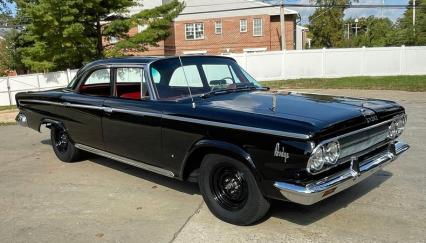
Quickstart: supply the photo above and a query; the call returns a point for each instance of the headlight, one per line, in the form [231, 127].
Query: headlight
[400, 124]
[397, 127]
[332, 152]
[323, 156]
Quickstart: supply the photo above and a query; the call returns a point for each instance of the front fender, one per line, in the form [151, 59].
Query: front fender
[207, 146]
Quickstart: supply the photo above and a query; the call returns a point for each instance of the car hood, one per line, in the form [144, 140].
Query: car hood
[328, 114]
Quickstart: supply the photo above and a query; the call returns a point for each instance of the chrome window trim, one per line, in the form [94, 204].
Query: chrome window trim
[124, 160]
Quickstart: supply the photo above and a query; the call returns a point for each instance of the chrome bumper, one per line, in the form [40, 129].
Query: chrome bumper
[321, 189]
[22, 120]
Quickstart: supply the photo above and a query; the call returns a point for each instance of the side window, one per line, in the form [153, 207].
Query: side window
[101, 76]
[131, 84]
[156, 76]
[178, 77]
[98, 83]
[220, 74]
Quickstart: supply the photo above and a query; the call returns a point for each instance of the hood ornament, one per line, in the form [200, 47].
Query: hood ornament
[369, 115]
[274, 102]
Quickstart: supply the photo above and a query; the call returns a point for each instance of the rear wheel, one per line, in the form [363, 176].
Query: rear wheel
[230, 190]
[63, 146]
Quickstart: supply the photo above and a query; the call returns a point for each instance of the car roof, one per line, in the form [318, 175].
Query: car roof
[140, 60]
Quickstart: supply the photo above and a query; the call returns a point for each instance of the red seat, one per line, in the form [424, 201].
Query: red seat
[132, 95]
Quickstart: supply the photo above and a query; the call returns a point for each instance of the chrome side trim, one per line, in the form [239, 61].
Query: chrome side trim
[184, 119]
[44, 102]
[238, 127]
[92, 107]
[137, 113]
[328, 186]
[126, 160]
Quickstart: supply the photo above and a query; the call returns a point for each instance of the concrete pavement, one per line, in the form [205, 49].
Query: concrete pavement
[45, 200]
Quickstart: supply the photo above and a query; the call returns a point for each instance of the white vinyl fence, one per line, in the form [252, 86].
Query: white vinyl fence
[9, 86]
[320, 63]
[329, 63]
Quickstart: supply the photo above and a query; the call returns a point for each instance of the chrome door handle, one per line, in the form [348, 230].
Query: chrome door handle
[108, 110]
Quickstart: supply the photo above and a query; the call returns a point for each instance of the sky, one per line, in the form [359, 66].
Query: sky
[393, 14]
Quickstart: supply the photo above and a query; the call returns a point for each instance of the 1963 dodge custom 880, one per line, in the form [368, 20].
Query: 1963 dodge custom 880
[206, 120]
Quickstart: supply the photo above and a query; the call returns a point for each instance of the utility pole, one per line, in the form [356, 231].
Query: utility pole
[282, 23]
[349, 26]
[414, 14]
[383, 4]
[356, 27]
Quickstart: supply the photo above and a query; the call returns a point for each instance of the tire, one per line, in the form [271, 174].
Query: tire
[63, 146]
[230, 190]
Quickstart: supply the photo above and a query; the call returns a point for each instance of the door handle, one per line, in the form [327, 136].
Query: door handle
[108, 110]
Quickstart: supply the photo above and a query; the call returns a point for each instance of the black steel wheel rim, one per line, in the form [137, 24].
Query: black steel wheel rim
[61, 141]
[229, 187]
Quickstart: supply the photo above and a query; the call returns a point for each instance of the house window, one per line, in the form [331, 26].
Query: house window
[113, 40]
[243, 25]
[142, 28]
[194, 31]
[218, 27]
[257, 27]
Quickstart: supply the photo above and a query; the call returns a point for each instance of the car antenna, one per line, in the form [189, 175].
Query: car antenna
[187, 83]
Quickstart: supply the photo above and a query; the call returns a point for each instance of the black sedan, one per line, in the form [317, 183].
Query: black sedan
[206, 120]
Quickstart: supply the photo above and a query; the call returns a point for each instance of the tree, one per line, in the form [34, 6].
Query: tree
[66, 34]
[326, 23]
[372, 32]
[10, 57]
[157, 21]
[407, 33]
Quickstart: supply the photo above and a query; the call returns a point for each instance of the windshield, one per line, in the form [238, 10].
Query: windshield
[198, 76]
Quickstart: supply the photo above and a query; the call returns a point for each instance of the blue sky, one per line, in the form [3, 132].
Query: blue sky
[393, 14]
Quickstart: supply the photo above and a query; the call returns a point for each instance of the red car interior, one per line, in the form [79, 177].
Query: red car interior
[124, 90]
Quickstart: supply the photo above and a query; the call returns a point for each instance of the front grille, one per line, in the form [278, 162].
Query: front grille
[363, 141]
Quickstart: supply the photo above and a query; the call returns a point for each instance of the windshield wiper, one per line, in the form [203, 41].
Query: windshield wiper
[225, 91]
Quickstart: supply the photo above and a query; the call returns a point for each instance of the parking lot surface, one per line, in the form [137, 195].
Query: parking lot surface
[100, 200]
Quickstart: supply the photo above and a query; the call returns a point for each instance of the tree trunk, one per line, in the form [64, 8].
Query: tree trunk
[100, 48]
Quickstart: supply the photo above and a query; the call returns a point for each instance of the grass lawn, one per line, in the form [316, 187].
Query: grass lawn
[406, 83]
[4, 108]
[7, 123]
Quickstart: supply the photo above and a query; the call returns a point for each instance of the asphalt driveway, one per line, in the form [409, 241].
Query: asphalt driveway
[45, 200]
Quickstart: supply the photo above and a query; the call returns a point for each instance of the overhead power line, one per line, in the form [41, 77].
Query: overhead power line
[345, 6]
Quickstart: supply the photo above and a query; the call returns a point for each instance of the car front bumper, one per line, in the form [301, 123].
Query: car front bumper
[21, 119]
[326, 187]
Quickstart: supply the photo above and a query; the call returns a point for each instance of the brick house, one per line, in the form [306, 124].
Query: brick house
[225, 26]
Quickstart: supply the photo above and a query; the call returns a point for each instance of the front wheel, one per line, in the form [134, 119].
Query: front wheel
[63, 146]
[230, 190]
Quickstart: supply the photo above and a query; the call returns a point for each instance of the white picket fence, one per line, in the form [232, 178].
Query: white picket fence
[9, 86]
[329, 63]
[319, 63]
